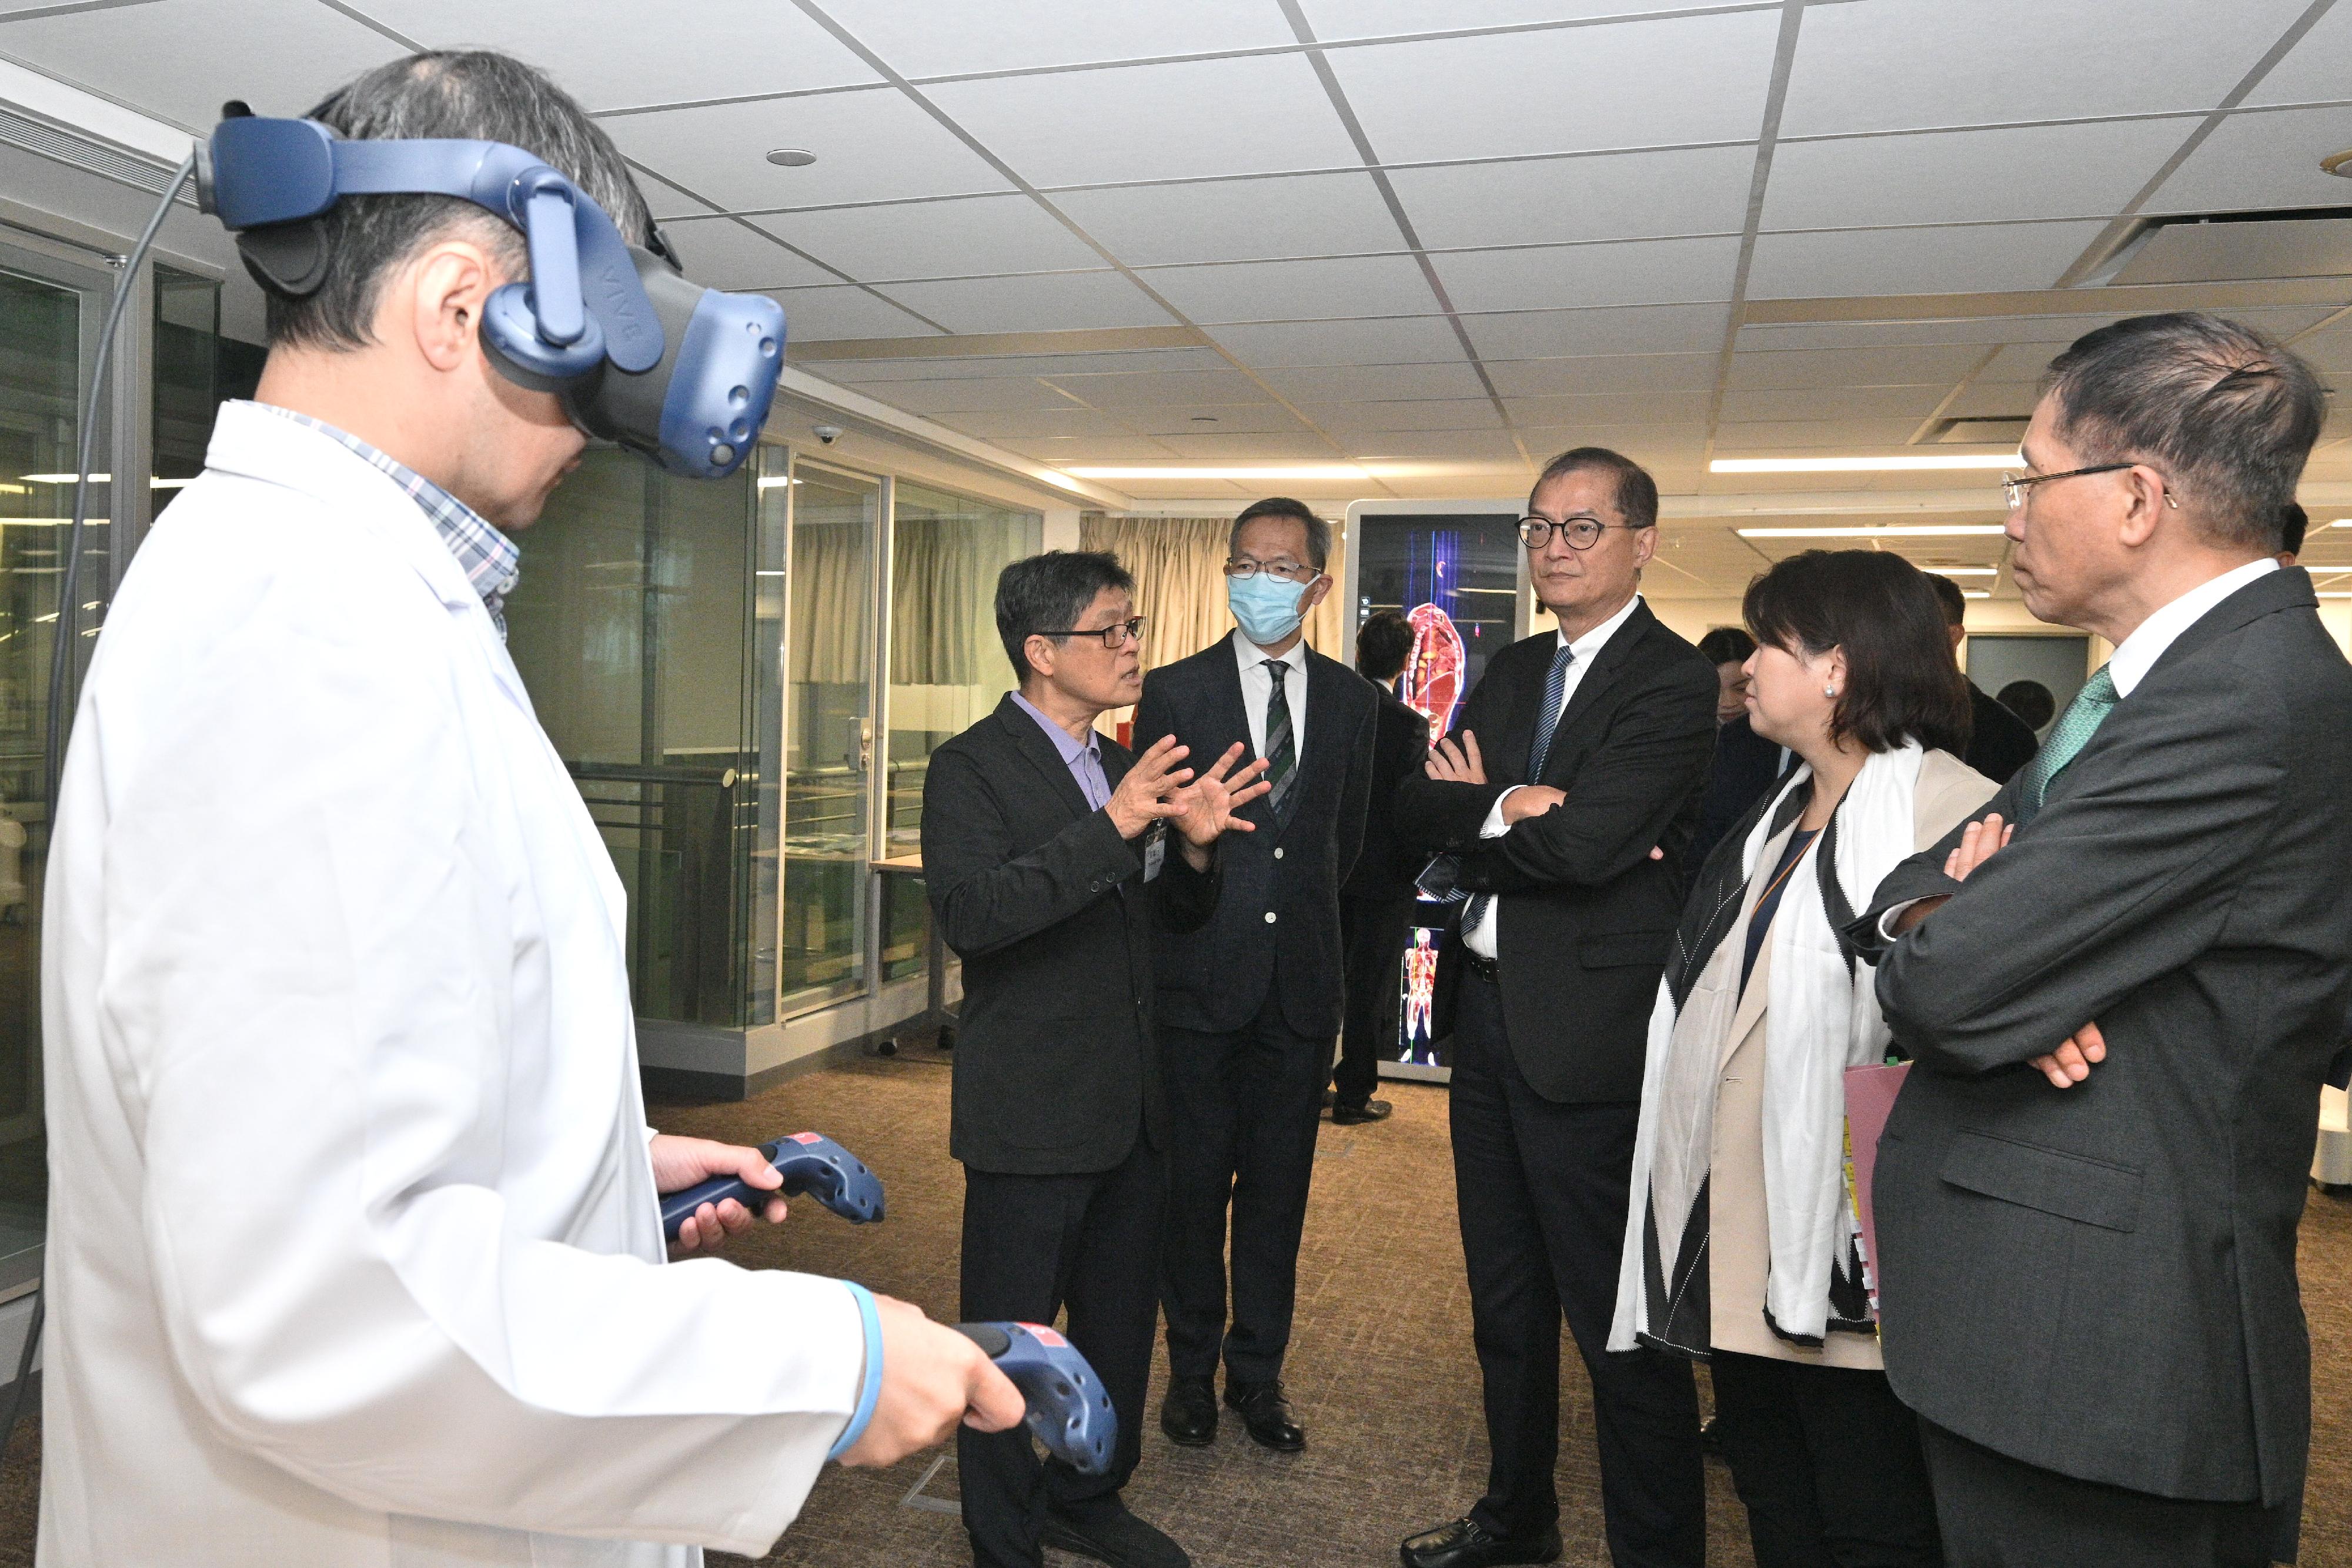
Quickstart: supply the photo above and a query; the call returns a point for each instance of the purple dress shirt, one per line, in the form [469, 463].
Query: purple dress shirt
[1083, 760]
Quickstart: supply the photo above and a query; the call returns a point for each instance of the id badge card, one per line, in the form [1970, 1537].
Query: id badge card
[1155, 851]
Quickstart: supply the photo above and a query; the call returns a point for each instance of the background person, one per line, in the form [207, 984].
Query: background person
[1049, 862]
[1998, 742]
[1740, 1246]
[1250, 1004]
[356, 1256]
[1745, 763]
[1376, 901]
[2087, 1193]
[1581, 752]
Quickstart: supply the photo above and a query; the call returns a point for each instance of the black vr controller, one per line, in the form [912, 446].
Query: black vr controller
[810, 1162]
[1068, 1410]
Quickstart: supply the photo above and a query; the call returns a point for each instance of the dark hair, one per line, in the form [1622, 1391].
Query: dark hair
[1900, 681]
[2293, 524]
[1318, 532]
[1048, 593]
[2029, 700]
[1637, 493]
[1955, 603]
[2223, 412]
[470, 95]
[1383, 642]
[1727, 645]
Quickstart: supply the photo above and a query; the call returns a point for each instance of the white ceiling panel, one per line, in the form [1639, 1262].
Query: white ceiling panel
[1994, 400]
[1571, 89]
[1623, 329]
[580, 42]
[1304, 447]
[1808, 434]
[1549, 277]
[721, 253]
[824, 315]
[1236, 220]
[1453, 446]
[1755, 404]
[2329, 352]
[1804, 369]
[179, 59]
[952, 38]
[1615, 195]
[2318, 69]
[1375, 383]
[1961, 259]
[1982, 329]
[2021, 361]
[2253, 161]
[1039, 302]
[1610, 408]
[1442, 414]
[919, 368]
[1335, 19]
[1902, 65]
[1147, 389]
[1015, 422]
[1068, 449]
[1295, 290]
[964, 238]
[978, 395]
[1211, 419]
[1261, 114]
[870, 146]
[1968, 176]
[1417, 339]
[666, 201]
[1603, 373]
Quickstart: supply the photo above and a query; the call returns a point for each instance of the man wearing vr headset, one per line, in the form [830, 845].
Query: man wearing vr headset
[355, 1245]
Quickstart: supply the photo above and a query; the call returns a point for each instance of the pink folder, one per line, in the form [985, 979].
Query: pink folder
[1870, 1095]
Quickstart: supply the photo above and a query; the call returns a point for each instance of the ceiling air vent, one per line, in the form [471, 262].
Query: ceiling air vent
[2232, 247]
[1978, 432]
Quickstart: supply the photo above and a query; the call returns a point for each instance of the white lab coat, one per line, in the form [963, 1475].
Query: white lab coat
[353, 1255]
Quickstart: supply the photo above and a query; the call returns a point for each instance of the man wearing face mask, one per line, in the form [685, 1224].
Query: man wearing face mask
[1249, 1004]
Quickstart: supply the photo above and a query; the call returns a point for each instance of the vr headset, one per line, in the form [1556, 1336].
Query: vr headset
[636, 354]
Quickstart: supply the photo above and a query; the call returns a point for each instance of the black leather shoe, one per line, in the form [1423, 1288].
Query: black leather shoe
[1357, 1115]
[1189, 1413]
[1107, 1532]
[1267, 1414]
[1467, 1543]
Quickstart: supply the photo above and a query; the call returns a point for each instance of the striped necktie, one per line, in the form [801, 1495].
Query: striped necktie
[1539, 746]
[1281, 756]
[2067, 737]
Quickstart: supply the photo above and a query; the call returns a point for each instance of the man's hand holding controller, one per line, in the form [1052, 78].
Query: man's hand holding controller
[932, 1379]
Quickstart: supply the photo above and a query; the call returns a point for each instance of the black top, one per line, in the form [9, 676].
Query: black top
[1745, 766]
[1998, 742]
[1767, 906]
[1384, 871]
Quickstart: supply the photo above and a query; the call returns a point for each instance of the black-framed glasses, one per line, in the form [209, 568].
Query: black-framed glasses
[1289, 571]
[2014, 487]
[1581, 533]
[1115, 636]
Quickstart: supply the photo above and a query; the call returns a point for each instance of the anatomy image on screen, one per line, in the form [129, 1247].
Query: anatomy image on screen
[1431, 685]
[1420, 991]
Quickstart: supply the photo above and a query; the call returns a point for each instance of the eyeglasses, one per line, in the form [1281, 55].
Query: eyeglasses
[1115, 636]
[2014, 487]
[1289, 571]
[1581, 533]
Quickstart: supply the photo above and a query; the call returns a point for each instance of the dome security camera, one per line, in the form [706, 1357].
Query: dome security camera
[828, 434]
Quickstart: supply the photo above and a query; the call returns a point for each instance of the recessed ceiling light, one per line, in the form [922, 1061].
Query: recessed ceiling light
[1976, 593]
[2341, 523]
[1300, 471]
[1861, 465]
[791, 157]
[1903, 530]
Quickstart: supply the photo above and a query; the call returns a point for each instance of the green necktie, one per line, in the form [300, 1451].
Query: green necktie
[2067, 737]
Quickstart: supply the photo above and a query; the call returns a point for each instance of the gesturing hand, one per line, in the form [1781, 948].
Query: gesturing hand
[1141, 797]
[1456, 763]
[1205, 809]
[2071, 1063]
[681, 1163]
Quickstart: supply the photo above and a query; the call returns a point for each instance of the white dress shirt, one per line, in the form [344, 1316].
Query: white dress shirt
[1257, 691]
[1481, 937]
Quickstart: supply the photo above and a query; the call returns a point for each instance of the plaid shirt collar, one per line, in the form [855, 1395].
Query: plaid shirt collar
[491, 561]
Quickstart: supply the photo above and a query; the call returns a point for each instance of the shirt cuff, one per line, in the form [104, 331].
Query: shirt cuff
[1895, 912]
[1495, 827]
[870, 1393]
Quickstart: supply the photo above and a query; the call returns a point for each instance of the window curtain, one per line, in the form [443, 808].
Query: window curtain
[943, 599]
[830, 627]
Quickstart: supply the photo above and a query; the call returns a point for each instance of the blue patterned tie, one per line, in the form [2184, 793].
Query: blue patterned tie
[2067, 737]
[1546, 721]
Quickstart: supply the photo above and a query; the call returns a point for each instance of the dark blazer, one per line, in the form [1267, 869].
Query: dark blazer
[1047, 907]
[1745, 766]
[1586, 915]
[1384, 869]
[2100, 1281]
[1999, 744]
[1216, 978]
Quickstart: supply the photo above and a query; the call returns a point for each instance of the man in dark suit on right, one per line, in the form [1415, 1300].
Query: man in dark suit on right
[1580, 754]
[1999, 741]
[2087, 1194]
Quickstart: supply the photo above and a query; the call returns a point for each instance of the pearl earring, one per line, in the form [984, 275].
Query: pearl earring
[1828, 691]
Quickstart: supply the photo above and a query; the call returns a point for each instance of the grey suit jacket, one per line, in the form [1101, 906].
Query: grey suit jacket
[2100, 1281]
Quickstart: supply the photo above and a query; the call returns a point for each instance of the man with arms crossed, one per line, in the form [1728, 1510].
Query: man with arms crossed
[2087, 1193]
[355, 1257]
[1568, 801]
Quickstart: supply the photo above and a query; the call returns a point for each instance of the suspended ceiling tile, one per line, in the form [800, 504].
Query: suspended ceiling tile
[2255, 160]
[1616, 195]
[665, 201]
[821, 315]
[1038, 302]
[873, 145]
[1463, 445]
[1635, 272]
[720, 253]
[1367, 384]
[1421, 339]
[1258, 114]
[1067, 450]
[2330, 351]
[1768, 435]
[1957, 259]
[1611, 408]
[1912, 404]
[1603, 373]
[1899, 65]
[1994, 400]
[2021, 361]
[1968, 176]
[1212, 419]
[1573, 90]
[946, 366]
[2314, 69]
[1624, 330]
[965, 237]
[1982, 329]
[1810, 368]
[993, 424]
[1295, 290]
[1235, 220]
[1292, 447]
[1436, 413]
[1334, 19]
[976, 395]
[1219, 383]
[949, 38]
[604, 52]
[179, 59]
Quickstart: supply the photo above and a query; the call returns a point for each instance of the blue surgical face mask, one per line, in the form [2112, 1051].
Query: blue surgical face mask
[1266, 606]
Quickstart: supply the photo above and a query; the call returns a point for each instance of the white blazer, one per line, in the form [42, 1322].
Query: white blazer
[354, 1254]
